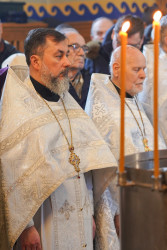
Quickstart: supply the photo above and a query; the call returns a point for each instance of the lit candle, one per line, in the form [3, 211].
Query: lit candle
[156, 26]
[123, 37]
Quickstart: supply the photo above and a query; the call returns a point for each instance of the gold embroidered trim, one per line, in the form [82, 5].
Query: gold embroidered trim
[32, 124]
[27, 173]
[13, 238]
[35, 208]
[77, 183]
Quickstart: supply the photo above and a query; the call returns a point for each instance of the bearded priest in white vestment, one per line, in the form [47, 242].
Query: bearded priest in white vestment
[103, 106]
[47, 144]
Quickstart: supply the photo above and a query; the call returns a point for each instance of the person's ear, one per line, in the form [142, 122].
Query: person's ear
[116, 69]
[35, 61]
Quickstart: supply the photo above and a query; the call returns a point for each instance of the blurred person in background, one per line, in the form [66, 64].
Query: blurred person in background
[6, 49]
[79, 77]
[99, 28]
[100, 63]
[147, 18]
[146, 96]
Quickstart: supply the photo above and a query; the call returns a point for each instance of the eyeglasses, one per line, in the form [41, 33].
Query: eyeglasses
[77, 47]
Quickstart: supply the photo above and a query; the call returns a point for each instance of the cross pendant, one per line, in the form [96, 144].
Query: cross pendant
[145, 143]
[74, 160]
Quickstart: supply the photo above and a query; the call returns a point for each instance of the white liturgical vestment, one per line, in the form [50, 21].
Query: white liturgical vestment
[103, 106]
[146, 96]
[38, 184]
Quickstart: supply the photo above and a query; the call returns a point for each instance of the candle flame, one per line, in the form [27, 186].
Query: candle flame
[125, 26]
[157, 15]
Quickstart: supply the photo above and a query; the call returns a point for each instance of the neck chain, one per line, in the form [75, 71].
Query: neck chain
[143, 133]
[73, 159]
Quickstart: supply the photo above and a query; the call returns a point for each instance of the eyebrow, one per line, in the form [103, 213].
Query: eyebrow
[60, 51]
[137, 67]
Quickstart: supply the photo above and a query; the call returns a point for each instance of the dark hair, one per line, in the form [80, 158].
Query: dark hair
[136, 25]
[147, 15]
[36, 41]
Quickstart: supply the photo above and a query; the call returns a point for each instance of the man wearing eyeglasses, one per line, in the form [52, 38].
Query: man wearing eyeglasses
[79, 77]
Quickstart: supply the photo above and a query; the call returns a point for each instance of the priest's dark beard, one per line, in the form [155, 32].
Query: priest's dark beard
[57, 85]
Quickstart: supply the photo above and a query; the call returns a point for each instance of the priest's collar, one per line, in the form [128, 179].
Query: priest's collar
[119, 90]
[43, 91]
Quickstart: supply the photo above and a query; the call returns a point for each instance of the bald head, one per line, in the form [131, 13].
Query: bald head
[135, 69]
[99, 28]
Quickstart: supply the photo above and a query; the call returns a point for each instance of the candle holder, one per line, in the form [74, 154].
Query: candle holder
[122, 178]
[157, 182]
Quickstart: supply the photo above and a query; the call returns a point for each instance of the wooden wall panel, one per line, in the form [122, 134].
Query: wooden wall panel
[16, 33]
[83, 28]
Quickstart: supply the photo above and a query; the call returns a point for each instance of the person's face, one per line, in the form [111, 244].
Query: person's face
[135, 40]
[99, 30]
[52, 65]
[76, 44]
[135, 73]
[55, 57]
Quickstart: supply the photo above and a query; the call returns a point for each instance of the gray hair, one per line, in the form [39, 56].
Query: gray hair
[66, 28]
[69, 30]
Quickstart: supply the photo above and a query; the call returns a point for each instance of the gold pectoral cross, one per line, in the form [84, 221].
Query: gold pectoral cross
[145, 143]
[74, 160]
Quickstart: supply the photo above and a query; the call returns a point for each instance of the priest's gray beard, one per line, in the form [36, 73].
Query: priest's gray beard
[57, 85]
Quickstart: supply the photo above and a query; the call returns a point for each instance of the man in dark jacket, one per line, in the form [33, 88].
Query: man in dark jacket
[100, 64]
